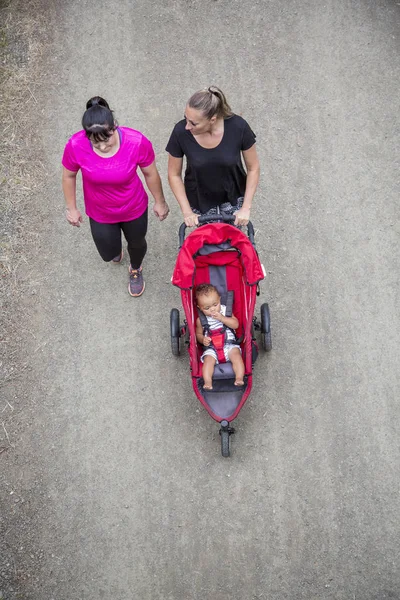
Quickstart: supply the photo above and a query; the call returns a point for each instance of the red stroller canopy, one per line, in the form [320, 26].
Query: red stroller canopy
[216, 233]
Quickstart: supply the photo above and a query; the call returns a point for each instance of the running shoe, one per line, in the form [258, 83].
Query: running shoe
[118, 258]
[136, 282]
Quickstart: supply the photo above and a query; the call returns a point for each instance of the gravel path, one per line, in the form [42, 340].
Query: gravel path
[114, 486]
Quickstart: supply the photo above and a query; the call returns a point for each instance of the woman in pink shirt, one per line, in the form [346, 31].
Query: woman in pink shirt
[115, 199]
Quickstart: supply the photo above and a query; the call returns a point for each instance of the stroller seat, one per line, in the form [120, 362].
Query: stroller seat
[221, 266]
[223, 371]
[223, 256]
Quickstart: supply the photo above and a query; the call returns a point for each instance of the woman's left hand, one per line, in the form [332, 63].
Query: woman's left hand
[242, 216]
[161, 210]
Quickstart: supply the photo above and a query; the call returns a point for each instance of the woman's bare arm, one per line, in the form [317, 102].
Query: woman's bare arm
[69, 188]
[253, 175]
[153, 182]
[177, 186]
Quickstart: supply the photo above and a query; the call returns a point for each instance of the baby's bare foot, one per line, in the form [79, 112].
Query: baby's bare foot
[207, 386]
[239, 382]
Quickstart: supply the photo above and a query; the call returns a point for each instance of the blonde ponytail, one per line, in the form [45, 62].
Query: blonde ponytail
[211, 101]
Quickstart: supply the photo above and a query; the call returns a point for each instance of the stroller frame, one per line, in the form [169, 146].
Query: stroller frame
[220, 254]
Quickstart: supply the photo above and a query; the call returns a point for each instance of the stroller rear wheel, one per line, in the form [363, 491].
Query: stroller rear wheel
[266, 338]
[175, 331]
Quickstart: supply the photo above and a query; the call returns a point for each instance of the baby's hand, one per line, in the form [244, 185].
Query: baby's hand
[218, 316]
[206, 341]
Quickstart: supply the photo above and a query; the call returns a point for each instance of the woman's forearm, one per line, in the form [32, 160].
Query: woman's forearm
[252, 179]
[153, 182]
[69, 189]
[178, 189]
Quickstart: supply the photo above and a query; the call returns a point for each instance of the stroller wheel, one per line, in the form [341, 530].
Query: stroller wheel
[225, 432]
[175, 331]
[225, 443]
[266, 339]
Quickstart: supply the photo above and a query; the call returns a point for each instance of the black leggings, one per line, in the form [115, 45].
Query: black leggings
[107, 237]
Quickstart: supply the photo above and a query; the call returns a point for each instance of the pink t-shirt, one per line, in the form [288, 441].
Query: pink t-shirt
[112, 189]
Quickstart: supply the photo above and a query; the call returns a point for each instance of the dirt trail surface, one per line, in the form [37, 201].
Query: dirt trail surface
[112, 483]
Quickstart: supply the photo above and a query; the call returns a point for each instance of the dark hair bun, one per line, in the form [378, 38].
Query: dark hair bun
[97, 100]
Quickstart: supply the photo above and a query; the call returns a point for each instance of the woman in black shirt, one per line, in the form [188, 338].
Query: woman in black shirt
[213, 140]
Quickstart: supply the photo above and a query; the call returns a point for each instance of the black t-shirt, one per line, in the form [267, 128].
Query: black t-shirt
[213, 175]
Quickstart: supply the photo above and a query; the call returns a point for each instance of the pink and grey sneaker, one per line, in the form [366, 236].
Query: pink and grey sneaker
[118, 258]
[136, 282]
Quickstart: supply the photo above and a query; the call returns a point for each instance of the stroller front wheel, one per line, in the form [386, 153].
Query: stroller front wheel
[225, 443]
[225, 432]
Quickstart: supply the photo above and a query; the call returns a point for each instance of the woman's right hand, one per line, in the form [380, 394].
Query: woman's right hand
[74, 217]
[191, 219]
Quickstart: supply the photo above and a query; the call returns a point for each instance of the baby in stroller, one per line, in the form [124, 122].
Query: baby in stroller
[215, 330]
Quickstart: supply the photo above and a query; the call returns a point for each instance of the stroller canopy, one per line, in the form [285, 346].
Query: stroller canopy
[214, 234]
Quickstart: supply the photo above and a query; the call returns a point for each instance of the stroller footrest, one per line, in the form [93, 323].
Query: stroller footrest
[223, 402]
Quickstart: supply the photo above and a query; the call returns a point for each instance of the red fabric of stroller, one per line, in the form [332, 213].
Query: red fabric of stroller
[216, 233]
[241, 270]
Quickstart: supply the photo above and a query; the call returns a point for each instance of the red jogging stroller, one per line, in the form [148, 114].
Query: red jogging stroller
[220, 254]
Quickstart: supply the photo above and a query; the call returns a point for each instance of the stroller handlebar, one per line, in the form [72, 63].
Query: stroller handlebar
[216, 218]
[221, 217]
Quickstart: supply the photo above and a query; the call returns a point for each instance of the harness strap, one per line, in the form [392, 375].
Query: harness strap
[218, 339]
[228, 313]
[229, 303]
[210, 333]
[203, 321]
